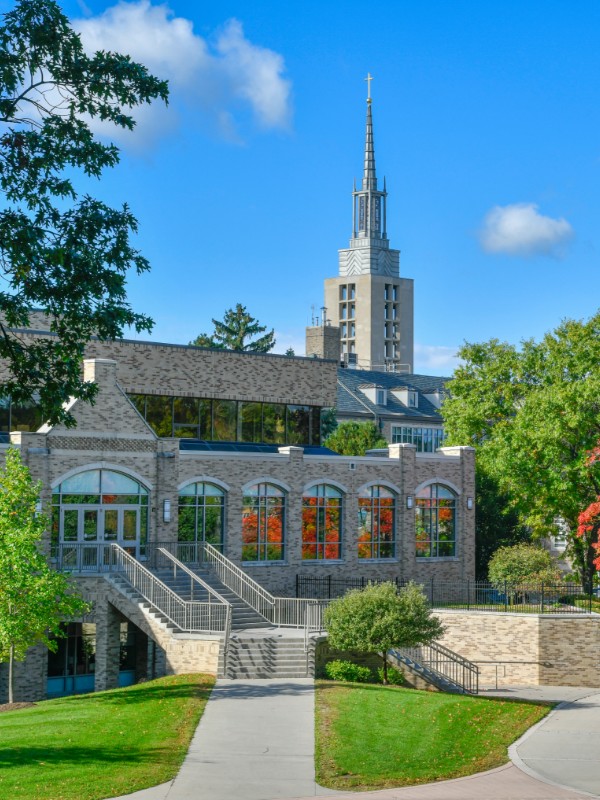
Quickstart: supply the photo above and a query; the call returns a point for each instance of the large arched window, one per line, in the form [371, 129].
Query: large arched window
[377, 523]
[263, 523]
[435, 523]
[322, 523]
[202, 514]
[99, 506]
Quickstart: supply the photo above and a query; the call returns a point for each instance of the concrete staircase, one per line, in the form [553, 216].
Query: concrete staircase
[268, 655]
[243, 617]
[157, 621]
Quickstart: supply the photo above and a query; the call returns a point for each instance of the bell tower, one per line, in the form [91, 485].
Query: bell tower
[369, 301]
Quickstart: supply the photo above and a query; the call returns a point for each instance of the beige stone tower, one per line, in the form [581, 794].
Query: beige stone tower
[369, 301]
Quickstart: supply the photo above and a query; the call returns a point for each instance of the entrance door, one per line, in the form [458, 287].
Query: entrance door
[87, 532]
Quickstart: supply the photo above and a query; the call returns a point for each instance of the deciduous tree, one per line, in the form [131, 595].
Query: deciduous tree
[378, 618]
[65, 253]
[355, 438]
[521, 565]
[34, 599]
[533, 414]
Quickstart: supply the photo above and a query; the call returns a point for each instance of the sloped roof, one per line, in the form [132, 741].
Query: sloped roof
[351, 400]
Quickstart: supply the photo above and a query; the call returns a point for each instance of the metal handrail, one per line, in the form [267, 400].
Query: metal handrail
[194, 577]
[234, 578]
[187, 615]
[444, 663]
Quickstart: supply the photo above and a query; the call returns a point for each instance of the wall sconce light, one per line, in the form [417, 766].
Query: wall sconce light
[167, 511]
[470, 503]
[409, 501]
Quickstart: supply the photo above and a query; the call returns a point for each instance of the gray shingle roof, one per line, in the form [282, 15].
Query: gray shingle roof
[351, 400]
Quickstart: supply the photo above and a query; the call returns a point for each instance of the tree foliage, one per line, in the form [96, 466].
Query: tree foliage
[355, 438]
[34, 599]
[64, 253]
[378, 618]
[237, 332]
[522, 564]
[533, 414]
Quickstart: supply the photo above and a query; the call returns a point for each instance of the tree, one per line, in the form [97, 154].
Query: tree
[236, 332]
[355, 438]
[378, 618]
[64, 253]
[34, 599]
[588, 529]
[533, 415]
[328, 422]
[497, 523]
[521, 565]
[290, 352]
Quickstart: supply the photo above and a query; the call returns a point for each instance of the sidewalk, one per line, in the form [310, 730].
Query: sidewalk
[256, 742]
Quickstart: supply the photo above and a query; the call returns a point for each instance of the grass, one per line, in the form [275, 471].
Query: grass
[376, 737]
[100, 745]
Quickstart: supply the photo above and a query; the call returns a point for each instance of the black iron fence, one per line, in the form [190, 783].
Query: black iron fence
[564, 598]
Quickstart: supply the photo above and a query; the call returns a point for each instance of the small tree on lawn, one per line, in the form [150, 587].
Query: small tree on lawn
[34, 599]
[522, 564]
[379, 618]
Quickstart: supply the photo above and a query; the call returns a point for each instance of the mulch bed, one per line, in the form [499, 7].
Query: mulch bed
[14, 706]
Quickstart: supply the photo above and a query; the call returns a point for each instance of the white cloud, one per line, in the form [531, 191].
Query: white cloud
[435, 359]
[520, 230]
[221, 78]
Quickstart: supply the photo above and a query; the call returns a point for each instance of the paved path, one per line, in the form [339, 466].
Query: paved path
[256, 742]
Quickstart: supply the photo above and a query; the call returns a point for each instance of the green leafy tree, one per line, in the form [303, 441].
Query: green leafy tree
[521, 565]
[355, 438]
[237, 332]
[497, 523]
[34, 599]
[378, 618]
[533, 414]
[328, 422]
[61, 252]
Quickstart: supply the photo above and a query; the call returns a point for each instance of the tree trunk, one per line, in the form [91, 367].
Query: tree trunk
[11, 662]
[385, 666]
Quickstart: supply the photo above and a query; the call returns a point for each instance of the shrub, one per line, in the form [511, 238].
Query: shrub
[522, 564]
[347, 671]
[395, 677]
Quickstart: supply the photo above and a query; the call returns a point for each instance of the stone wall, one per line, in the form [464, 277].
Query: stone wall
[526, 649]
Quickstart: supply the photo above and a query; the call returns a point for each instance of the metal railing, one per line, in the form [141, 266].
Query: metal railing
[187, 615]
[467, 595]
[82, 557]
[447, 665]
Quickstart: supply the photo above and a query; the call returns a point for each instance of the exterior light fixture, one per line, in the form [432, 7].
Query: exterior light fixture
[470, 503]
[410, 501]
[167, 511]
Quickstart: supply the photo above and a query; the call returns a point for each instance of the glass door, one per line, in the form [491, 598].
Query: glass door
[87, 532]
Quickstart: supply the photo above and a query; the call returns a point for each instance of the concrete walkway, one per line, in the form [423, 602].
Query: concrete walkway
[256, 742]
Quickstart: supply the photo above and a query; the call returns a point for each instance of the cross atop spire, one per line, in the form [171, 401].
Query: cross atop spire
[368, 79]
[369, 174]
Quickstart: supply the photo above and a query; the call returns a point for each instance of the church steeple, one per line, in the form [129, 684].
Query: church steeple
[369, 206]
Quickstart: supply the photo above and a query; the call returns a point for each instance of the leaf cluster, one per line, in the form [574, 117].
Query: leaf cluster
[379, 617]
[355, 438]
[34, 599]
[522, 564]
[60, 252]
[533, 414]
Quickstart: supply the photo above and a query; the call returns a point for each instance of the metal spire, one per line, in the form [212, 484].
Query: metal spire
[369, 175]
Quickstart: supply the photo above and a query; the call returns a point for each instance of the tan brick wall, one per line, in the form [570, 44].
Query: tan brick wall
[526, 649]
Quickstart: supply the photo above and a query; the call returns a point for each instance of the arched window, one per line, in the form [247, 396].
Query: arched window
[202, 514]
[377, 523]
[99, 506]
[263, 523]
[435, 523]
[322, 523]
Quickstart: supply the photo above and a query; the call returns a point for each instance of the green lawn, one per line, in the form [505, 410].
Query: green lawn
[374, 737]
[100, 745]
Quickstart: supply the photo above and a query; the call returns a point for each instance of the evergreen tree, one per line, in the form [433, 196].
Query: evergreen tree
[237, 332]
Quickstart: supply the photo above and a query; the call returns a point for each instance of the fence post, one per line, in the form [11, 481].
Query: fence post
[542, 597]
[505, 596]
[468, 594]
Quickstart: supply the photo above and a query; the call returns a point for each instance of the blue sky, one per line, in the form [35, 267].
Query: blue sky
[487, 127]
